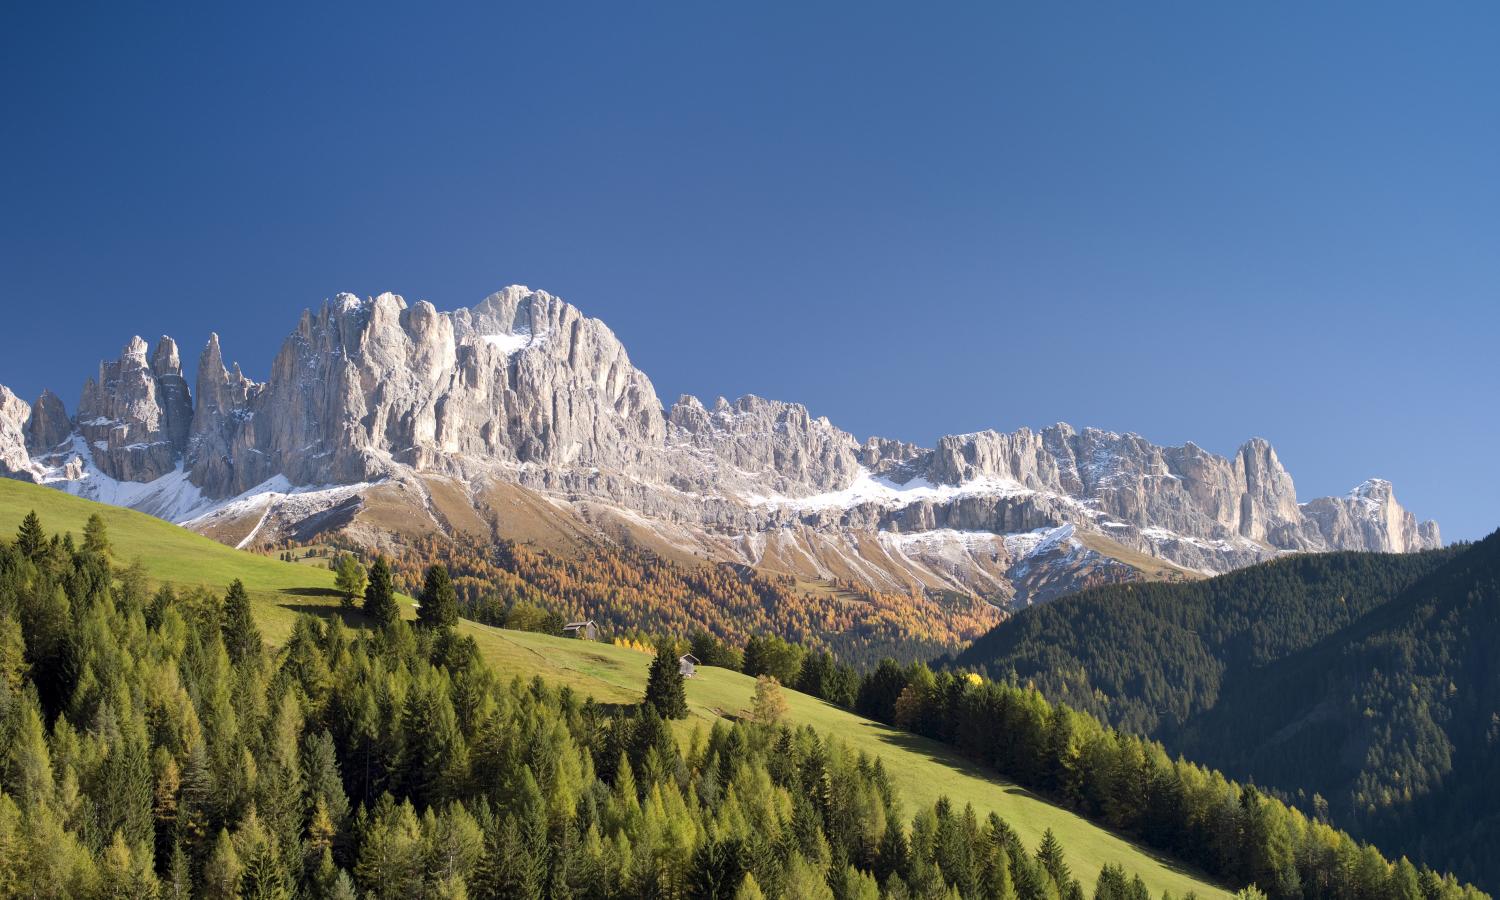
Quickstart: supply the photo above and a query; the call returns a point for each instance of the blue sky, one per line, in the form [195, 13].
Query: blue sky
[1192, 221]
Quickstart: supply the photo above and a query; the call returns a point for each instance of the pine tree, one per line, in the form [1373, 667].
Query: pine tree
[380, 595]
[1050, 855]
[349, 579]
[439, 602]
[31, 540]
[95, 536]
[222, 871]
[748, 889]
[664, 685]
[125, 872]
[241, 637]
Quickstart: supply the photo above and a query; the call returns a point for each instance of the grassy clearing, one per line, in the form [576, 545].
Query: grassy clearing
[921, 770]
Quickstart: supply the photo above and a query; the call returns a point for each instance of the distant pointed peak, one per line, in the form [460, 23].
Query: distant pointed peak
[165, 361]
[1374, 489]
[135, 348]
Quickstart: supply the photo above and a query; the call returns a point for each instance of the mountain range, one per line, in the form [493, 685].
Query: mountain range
[522, 418]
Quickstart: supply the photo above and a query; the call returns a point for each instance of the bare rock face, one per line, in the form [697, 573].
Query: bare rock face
[761, 445]
[172, 393]
[134, 415]
[1370, 517]
[15, 461]
[363, 386]
[49, 425]
[217, 437]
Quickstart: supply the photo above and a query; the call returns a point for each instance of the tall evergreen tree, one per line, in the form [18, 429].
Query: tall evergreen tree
[664, 685]
[380, 595]
[241, 637]
[1050, 855]
[31, 540]
[95, 535]
[439, 602]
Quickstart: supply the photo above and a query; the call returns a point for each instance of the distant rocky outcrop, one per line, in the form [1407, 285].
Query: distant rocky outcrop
[49, 425]
[523, 389]
[15, 461]
[135, 415]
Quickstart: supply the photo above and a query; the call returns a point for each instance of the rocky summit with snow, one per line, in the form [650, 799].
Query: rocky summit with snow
[522, 418]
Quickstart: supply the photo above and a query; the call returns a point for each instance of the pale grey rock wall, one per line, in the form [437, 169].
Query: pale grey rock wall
[15, 461]
[135, 413]
[524, 388]
[49, 425]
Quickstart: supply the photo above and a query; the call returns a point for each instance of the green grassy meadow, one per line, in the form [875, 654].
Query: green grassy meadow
[921, 770]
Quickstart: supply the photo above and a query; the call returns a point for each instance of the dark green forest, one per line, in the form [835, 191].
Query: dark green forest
[1147, 657]
[1360, 687]
[1395, 720]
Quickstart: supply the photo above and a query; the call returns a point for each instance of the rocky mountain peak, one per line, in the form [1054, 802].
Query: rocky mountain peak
[49, 425]
[15, 461]
[136, 422]
[524, 389]
[165, 361]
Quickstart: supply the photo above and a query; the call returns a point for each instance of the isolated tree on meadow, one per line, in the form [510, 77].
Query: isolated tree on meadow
[380, 595]
[768, 705]
[350, 578]
[664, 685]
[95, 536]
[439, 601]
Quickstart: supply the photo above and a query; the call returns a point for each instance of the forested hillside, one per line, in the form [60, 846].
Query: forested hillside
[1358, 686]
[1146, 657]
[921, 771]
[1395, 720]
[156, 746]
[626, 589]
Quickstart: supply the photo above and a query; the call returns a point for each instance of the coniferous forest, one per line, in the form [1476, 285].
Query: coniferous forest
[156, 747]
[1360, 687]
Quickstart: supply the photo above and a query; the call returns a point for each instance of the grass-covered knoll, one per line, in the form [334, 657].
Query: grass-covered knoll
[920, 770]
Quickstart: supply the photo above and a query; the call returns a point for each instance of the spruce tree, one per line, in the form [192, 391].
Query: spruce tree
[380, 595]
[95, 535]
[31, 540]
[664, 688]
[241, 637]
[1050, 855]
[439, 602]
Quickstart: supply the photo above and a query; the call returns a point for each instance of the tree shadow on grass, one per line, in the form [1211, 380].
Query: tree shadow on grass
[352, 618]
[312, 592]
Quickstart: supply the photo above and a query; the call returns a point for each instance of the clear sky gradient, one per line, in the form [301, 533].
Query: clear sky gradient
[1195, 221]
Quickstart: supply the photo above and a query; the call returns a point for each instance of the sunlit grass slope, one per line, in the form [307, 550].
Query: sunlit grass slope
[921, 770]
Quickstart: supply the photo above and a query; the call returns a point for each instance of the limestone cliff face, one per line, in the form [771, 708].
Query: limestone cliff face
[757, 445]
[221, 450]
[136, 413]
[49, 425]
[1369, 516]
[525, 390]
[15, 461]
[363, 386]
